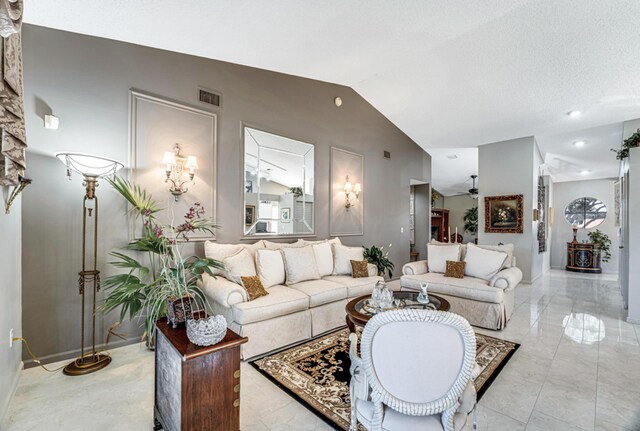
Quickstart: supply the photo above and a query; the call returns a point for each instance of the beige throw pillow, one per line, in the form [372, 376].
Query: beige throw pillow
[270, 267]
[324, 258]
[342, 257]
[239, 265]
[299, 264]
[438, 255]
[483, 264]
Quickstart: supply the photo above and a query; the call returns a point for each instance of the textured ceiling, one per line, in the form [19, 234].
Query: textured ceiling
[449, 73]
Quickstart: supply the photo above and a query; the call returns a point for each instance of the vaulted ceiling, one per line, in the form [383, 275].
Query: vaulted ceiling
[449, 73]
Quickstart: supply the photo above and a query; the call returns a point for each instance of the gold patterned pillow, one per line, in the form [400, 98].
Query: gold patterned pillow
[359, 268]
[254, 287]
[455, 269]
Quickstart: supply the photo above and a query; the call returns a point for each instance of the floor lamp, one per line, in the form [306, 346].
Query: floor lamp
[91, 168]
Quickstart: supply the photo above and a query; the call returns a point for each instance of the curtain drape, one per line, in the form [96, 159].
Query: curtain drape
[13, 140]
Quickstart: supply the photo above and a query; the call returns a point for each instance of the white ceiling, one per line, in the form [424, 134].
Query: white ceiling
[452, 176]
[450, 74]
[566, 162]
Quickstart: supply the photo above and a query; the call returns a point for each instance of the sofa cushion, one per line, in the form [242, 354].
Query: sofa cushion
[438, 255]
[321, 291]
[324, 257]
[355, 286]
[239, 265]
[342, 257]
[359, 268]
[467, 287]
[483, 263]
[506, 248]
[216, 251]
[280, 301]
[455, 269]
[270, 267]
[299, 264]
[280, 245]
[254, 287]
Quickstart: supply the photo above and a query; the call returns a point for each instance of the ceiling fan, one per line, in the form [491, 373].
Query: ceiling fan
[473, 191]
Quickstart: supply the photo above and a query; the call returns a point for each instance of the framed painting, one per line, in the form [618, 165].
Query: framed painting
[285, 215]
[503, 214]
[249, 215]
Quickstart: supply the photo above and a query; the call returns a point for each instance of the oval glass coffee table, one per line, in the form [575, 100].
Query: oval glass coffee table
[359, 310]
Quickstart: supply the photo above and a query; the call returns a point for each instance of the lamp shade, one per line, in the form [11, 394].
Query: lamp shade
[169, 158]
[347, 186]
[357, 189]
[89, 165]
[192, 162]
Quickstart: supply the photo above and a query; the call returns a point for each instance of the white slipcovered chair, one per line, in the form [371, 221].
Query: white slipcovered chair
[415, 372]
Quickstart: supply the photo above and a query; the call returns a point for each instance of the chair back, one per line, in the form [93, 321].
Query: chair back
[418, 362]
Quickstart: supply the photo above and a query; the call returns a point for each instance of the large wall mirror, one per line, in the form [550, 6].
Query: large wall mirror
[585, 213]
[278, 185]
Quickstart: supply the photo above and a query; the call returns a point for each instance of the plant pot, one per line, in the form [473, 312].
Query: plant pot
[178, 309]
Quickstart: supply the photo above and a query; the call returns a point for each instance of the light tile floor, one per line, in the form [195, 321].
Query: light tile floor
[578, 369]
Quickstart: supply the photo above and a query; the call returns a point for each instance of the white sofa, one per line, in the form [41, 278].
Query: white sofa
[289, 313]
[487, 303]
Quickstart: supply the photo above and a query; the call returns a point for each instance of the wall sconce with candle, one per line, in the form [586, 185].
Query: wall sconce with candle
[175, 166]
[349, 191]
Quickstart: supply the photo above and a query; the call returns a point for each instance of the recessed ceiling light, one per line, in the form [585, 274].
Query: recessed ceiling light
[452, 157]
[574, 113]
[585, 171]
[579, 143]
[337, 101]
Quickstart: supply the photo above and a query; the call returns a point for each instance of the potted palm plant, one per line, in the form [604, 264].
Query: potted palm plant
[159, 281]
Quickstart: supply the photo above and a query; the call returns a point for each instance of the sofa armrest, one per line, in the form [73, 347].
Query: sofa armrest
[373, 270]
[506, 278]
[223, 291]
[415, 268]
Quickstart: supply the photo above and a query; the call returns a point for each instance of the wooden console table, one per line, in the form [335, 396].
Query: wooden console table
[583, 257]
[197, 388]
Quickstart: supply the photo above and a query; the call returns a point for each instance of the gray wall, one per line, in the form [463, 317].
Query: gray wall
[457, 206]
[510, 168]
[10, 299]
[422, 202]
[85, 81]
[563, 194]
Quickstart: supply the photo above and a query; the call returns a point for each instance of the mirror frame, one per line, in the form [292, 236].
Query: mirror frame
[259, 236]
[606, 212]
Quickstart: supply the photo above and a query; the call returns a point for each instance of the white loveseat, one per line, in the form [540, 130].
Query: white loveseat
[485, 302]
[289, 313]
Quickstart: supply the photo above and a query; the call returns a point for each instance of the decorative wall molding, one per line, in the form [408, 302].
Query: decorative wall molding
[346, 221]
[156, 125]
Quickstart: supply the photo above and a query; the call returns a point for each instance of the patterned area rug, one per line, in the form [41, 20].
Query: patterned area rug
[316, 372]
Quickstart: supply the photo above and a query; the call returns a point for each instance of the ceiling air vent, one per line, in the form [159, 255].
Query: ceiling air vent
[387, 155]
[209, 97]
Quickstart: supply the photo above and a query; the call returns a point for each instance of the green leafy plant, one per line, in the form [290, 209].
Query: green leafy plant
[631, 142]
[380, 259]
[470, 219]
[160, 273]
[297, 191]
[603, 242]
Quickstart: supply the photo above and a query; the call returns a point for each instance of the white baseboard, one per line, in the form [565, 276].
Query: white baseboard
[12, 392]
[71, 354]
[633, 320]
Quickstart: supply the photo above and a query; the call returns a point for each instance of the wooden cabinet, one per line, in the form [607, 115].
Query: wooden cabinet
[583, 257]
[197, 388]
[440, 224]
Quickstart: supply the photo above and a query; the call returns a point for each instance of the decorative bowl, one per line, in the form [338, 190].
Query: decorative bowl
[206, 331]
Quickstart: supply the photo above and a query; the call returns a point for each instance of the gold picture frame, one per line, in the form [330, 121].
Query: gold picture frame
[503, 214]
